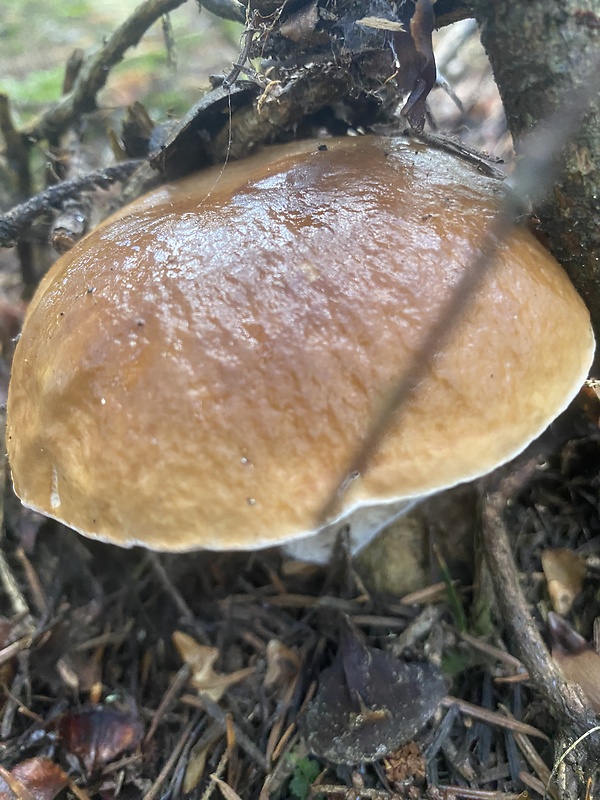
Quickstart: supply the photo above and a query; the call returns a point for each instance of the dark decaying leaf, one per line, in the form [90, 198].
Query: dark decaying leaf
[98, 735]
[33, 779]
[184, 149]
[370, 40]
[369, 703]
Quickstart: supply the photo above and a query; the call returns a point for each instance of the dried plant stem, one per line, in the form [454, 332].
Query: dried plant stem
[16, 149]
[177, 598]
[215, 711]
[154, 792]
[565, 701]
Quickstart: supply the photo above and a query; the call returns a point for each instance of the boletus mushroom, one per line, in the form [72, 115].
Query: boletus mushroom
[197, 371]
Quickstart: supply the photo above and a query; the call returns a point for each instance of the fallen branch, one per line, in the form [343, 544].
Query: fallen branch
[13, 223]
[95, 70]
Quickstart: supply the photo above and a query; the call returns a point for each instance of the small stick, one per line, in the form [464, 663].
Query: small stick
[153, 793]
[215, 711]
[176, 596]
[169, 697]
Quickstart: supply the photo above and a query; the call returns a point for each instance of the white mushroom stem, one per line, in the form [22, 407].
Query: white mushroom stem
[362, 525]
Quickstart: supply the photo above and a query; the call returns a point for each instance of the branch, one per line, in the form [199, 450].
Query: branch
[20, 217]
[94, 72]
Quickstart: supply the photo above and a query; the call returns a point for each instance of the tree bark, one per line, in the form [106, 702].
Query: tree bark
[541, 52]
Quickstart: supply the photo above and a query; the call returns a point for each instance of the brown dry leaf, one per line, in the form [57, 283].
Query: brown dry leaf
[422, 24]
[589, 399]
[283, 663]
[98, 735]
[578, 661]
[300, 26]
[564, 571]
[201, 660]
[33, 779]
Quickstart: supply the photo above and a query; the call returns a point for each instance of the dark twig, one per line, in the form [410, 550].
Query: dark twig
[480, 160]
[154, 791]
[13, 223]
[248, 37]
[220, 717]
[72, 69]
[177, 598]
[329, 790]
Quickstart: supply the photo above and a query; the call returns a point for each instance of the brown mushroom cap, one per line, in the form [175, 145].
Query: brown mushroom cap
[198, 370]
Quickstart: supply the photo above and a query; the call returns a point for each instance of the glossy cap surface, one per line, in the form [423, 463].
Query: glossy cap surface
[197, 371]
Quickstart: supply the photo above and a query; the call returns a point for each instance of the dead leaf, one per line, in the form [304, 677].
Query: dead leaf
[98, 735]
[422, 24]
[370, 702]
[283, 663]
[589, 398]
[300, 26]
[32, 779]
[564, 571]
[194, 769]
[201, 660]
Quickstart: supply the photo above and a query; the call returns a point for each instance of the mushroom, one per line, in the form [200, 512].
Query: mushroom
[197, 371]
